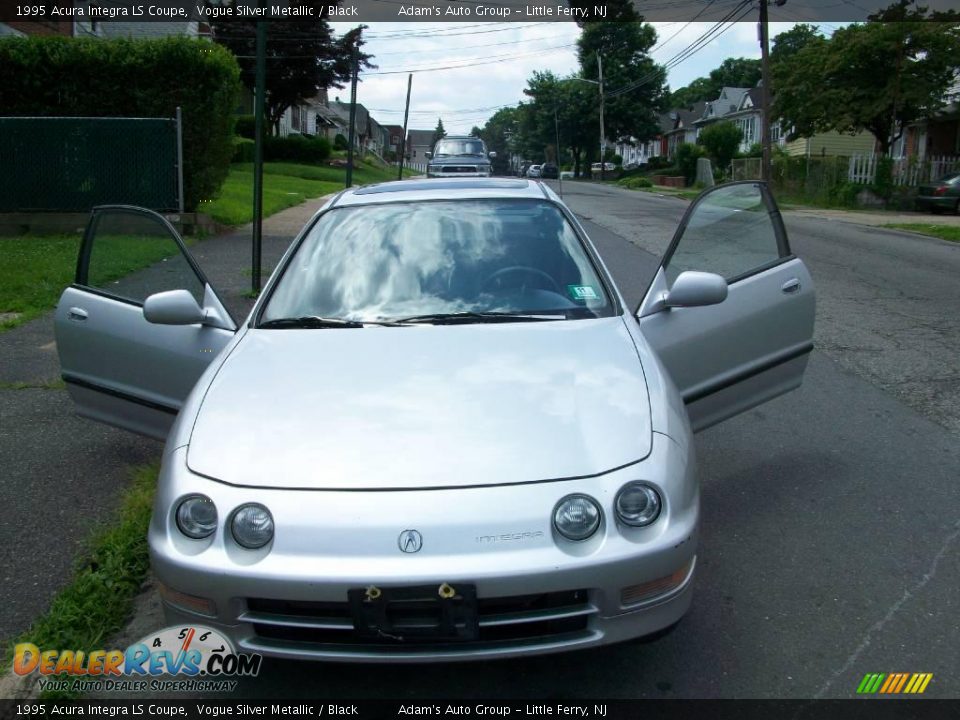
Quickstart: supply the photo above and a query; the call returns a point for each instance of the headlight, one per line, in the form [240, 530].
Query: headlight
[197, 517]
[638, 504]
[252, 526]
[577, 517]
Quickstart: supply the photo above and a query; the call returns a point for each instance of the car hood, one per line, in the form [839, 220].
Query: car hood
[424, 406]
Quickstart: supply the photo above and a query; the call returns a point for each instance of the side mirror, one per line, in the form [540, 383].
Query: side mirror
[174, 307]
[429, 155]
[492, 154]
[692, 289]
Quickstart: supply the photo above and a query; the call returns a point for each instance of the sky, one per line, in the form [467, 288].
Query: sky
[500, 58]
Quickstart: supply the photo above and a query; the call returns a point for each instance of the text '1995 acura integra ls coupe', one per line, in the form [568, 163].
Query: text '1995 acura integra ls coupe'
[440, 434]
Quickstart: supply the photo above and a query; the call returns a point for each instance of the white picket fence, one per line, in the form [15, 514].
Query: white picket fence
[419, 167]
[906, 171]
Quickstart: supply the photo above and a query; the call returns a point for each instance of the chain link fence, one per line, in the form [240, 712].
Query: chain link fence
[59, 164]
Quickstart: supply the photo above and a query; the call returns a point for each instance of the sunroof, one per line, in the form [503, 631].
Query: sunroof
[436, 184]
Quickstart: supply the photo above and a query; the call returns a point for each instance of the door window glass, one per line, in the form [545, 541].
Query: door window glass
[730, 233]
[134, 255]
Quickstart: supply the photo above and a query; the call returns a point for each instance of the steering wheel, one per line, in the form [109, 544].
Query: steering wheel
[521, 269]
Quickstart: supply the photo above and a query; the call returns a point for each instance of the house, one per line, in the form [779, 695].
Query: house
[937, 135]
[394, 137]
[722, 108]
[682, 128]
[419, 142]
[748, 117]
[636, 152]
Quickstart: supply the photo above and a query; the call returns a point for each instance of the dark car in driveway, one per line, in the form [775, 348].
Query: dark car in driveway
[942, 194]
[549, 171]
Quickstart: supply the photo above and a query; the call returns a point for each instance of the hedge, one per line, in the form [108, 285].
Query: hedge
[56, 76]
[296, 148]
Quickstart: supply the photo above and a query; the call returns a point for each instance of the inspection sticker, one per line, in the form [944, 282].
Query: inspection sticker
[582, 292]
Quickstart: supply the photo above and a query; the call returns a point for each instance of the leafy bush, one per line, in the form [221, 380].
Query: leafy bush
[658, 162]
[687, 155]
[845, 194]
[754, 151]
[296, 148]
[79, 77]
[634, 182]
[340, 142]
[242, 149]
[247, 126]
[721, 140]
[883, 179]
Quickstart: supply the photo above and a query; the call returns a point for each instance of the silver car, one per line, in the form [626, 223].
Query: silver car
[440, 433]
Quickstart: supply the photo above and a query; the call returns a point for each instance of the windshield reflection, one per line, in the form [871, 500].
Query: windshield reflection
[396, 260]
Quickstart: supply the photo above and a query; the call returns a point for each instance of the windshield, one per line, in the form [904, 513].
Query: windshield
[459, 147]
[402, 260]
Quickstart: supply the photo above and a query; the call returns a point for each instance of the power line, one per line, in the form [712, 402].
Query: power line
[503, 58]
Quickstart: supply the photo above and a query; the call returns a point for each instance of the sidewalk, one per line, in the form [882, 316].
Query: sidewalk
[874, 217]
[62, 474]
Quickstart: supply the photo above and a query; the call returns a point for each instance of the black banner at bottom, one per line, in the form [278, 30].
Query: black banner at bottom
[855, 709]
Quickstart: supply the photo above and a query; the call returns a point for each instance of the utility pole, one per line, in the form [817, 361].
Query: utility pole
[403, 140]
[556, 128]
[764, 93]
[353, 117]
[260, 100]
[603, 135]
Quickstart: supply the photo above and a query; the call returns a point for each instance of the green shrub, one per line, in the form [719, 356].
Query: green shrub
[296, 148]
[845, 194]
[246, 126]
[80, 77]
[754, 151]
[340, 142]
[883, 179]
[721, 141]
[687, 155]
[242, 149]
[634, 182]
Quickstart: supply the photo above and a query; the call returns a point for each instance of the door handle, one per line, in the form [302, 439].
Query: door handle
[791, 286]
[78, 314]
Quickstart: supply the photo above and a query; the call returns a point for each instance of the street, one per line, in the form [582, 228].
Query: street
[829, 544]
[830, 522]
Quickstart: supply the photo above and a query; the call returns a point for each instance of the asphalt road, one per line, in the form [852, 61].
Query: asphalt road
[831, 527]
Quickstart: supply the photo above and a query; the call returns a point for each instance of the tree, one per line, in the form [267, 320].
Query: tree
[878, 77]
[303, 58]
[721, 140]
[500, 135]
[576, 120]
[789, 43]
[634, 84]
[439, 133]
[732, 72]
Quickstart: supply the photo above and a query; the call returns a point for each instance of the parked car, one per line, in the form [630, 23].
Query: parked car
[566, 174]
[942, 194]
[459, 156]
[533, 171]
[608, 167]
[441, 433]
[549, 171]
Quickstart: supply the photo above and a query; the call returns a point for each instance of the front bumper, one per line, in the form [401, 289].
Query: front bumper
[460, 171]
[537, 592]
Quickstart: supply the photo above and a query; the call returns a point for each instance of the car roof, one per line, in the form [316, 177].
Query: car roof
[443, 189]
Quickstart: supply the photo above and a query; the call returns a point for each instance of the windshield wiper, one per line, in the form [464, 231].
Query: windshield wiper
[315, 321]
[471, 317]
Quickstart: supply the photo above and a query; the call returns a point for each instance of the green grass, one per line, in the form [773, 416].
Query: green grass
[944, 232]
[284, 185]
[34, 269]
[96, 603]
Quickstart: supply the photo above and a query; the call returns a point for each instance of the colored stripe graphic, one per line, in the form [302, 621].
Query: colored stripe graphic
[894, 683]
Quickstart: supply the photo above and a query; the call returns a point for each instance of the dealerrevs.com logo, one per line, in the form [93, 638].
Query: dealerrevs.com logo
[176, 659]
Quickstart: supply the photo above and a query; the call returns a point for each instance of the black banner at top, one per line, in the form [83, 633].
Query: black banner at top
[51, 12]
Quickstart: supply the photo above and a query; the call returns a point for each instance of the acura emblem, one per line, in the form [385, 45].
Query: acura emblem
[410, 541]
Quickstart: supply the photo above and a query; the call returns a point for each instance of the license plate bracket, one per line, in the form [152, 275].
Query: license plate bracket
[442, 612]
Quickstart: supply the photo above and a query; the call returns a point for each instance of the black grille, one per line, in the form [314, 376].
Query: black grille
[542, 616]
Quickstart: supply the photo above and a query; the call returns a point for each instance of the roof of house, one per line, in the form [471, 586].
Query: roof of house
[420, 137]
[683, 118]
[728, 102]
[361, 119]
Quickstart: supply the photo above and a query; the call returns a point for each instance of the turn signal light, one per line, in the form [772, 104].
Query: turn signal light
[646, 591]
[192, 603]
[942, 190]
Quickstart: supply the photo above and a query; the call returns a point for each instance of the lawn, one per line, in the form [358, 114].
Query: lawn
[34, 269]
[944, 232]
[284, 185]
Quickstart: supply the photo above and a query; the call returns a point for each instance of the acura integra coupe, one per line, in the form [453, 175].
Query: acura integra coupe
[440, 433]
